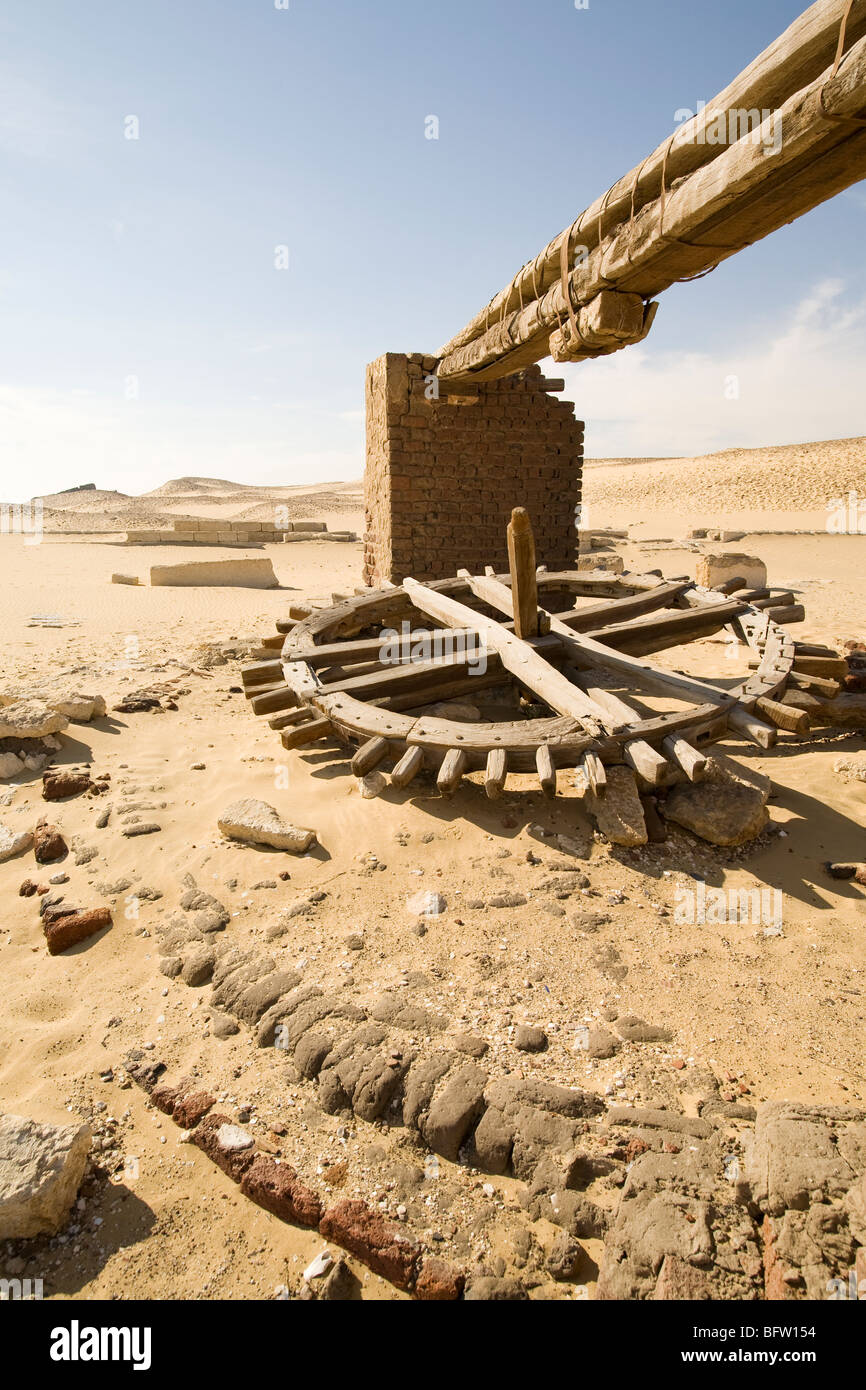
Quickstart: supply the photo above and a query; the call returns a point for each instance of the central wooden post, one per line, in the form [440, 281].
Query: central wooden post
[521, 563]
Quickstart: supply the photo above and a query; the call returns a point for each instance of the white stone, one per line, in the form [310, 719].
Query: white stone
[426, 904]
[613, 564]
[234, 1139]
[372, 785]
[31, 719]
[244, 574]
[41, 1167]
[319, 1266]
[850, 769]
[718, 569]
[257, 823]
[10, 765]
[13, 842]
[81, 708]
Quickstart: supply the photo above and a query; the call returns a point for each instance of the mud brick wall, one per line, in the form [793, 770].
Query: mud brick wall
[443, 474]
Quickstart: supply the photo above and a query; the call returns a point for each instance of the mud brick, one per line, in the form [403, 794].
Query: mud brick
[513, 445]
[277, 1188]
[366, 1234]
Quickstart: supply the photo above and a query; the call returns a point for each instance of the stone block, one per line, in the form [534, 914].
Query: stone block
[245, 574]
[730, 564]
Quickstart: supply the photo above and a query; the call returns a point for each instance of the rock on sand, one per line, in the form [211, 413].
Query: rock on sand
[257, 823]
[41, 1167]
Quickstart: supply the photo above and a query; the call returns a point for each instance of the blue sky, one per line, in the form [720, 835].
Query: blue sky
[146, 332]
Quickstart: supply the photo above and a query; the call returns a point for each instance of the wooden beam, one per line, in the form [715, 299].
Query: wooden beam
[495, 773]
[408, 767]
[369, 755]
[644, 760]
[592, 772]
[641, 637]
[454, 764]
[598, 615]
[261, 673]
[586, 651]
[521, 564]
[793, 721]
[797, 57]
[305, 733]
[755, 730]
[516, 655]
[737, 198]
[686, 756]
[546, 769]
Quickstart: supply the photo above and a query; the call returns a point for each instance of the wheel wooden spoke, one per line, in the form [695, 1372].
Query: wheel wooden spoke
[371, 670]
[516, 655]
[585, 650]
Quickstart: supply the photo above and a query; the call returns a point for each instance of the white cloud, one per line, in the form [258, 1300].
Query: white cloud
[805, 382]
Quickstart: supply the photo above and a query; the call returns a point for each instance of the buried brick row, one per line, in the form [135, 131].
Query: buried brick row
[277, 1188]
[681, 1201]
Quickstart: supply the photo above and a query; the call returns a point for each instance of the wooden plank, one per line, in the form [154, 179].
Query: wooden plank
[791, 720]
[730, 586]
[845, 712]
[450, 774]
[408, 767]
[362, 649]
[587, 651]
[597, 615]
[811, 649]
[516, 655]
[353, 720]
[286, 721]
[770, 600]
[274, 701]
[261, 673]
[816, 685]
[495, 772]
[369, 755]
[592, 772]
[449, 690]
[686, 756]
[791, 613]
[674, 629]
[755, 730]
[546, 769]
[305, 733]
[645, 761]
[521, 564]
[833, 668]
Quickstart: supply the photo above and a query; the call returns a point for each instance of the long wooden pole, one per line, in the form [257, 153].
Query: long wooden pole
[795, 59]
[738, 198]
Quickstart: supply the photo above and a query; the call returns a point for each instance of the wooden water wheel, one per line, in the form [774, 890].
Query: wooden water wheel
[367, 670]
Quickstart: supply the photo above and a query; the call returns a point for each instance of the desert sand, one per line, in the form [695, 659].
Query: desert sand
[770, 1016]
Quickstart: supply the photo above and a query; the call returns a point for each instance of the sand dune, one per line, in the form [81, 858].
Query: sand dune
[767, 485]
